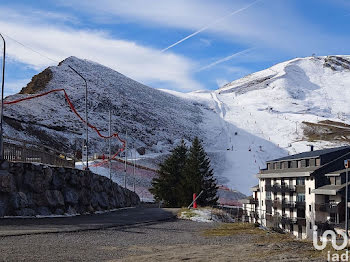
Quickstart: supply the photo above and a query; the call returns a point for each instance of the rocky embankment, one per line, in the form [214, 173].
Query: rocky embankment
[33, 189]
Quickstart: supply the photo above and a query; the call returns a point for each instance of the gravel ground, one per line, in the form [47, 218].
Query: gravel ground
[172, 240]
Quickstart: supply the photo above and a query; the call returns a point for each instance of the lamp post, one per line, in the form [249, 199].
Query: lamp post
[2, 102]
[346, 164]
[109, 145]
[86, 117]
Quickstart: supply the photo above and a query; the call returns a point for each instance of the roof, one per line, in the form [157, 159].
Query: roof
[329, 189]
[255, 188]
[311, 154]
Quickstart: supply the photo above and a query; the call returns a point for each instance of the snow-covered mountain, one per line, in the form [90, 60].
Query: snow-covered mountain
[262, 116]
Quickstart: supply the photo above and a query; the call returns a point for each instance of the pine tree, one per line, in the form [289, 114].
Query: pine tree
[167, 186]
[198, 176]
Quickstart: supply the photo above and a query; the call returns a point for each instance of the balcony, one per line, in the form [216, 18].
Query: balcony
[287, 188]
[330, 207]
[277, 203]
[300, 188]
[280, 188]
[286, 220]
[300, 204]
[301, 222]
[288, 204]
[254, 201]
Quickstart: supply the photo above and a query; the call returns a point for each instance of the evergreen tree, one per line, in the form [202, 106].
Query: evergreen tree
[198, 176]
[167, 186]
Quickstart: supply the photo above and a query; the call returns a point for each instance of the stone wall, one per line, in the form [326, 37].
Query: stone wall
[33, 189]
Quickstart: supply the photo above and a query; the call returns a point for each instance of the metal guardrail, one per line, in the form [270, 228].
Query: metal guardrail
[24, 151]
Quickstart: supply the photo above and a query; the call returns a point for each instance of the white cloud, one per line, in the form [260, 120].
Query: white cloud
[141, 63]
[12, 87]
[269, 23]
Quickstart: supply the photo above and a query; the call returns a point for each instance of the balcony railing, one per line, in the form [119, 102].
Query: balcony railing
[330, 207]
[253, 201]
[300, 188]
[288, 204]
[300, 204]
[280, 188]
[277, 203]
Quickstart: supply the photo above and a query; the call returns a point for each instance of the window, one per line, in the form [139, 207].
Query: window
[301, 181]
[300, 197]
[289, 164]
[262, 202]
[299, 163]
[310, 225]
[268, 195]
[318, 162]
[310, 208]
[307, 162]
[309, 190]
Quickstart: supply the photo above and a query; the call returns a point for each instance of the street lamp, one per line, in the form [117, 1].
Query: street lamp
[86, 117]
[346, 164]
[2, 101]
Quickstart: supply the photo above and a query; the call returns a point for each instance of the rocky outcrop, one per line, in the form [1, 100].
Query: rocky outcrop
[38, 82]
[33, 189]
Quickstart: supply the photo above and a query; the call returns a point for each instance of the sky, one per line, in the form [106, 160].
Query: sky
[222, 40]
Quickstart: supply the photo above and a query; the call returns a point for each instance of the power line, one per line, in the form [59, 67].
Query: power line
[31, 49]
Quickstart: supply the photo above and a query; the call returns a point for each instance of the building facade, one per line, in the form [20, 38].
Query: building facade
[299, 191]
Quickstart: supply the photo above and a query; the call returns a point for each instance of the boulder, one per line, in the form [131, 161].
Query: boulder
[59, 212]
[4, 165]
[37, 180]
[18, 200]
[7, 182]
[57, 181]
[141, 150]
[26, 212]
[70, 196]
[43, 211]
[71, 211]
[102, 199]
[54, 198]
[3, 208]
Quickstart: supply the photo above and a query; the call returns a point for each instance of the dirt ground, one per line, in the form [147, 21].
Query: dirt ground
[176, 240]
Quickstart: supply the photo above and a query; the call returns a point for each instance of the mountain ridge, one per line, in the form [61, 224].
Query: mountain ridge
[242, 124]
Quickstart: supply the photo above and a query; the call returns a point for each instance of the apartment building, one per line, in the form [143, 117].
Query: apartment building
[299, 191]
[250, 206]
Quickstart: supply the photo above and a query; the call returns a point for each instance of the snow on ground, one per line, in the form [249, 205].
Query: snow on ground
[259, 117]
[141, 177]
[206, 215]
[243, 124]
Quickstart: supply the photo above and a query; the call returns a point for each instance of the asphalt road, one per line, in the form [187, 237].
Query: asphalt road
[120, 217]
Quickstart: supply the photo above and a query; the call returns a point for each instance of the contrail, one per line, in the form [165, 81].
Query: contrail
[209, 25]
[225, 59]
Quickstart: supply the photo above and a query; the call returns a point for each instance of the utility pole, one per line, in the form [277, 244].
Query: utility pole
[126, 157]
[133, 172]
[2, 102]
[346, 163]
[109, 145]
[86, 117]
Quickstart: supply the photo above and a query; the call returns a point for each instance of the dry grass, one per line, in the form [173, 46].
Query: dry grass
[230, 229]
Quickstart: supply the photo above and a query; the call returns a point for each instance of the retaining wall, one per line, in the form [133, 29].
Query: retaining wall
[28, 189]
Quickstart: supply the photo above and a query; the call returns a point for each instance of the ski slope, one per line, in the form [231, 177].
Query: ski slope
[243, 124]
[259, 117]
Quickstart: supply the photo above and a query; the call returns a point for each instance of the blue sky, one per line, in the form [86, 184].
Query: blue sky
[128, 36]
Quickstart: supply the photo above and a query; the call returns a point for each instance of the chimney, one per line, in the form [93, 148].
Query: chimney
[311, 147]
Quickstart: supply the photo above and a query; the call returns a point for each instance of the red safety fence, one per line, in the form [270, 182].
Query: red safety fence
[70, 104]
